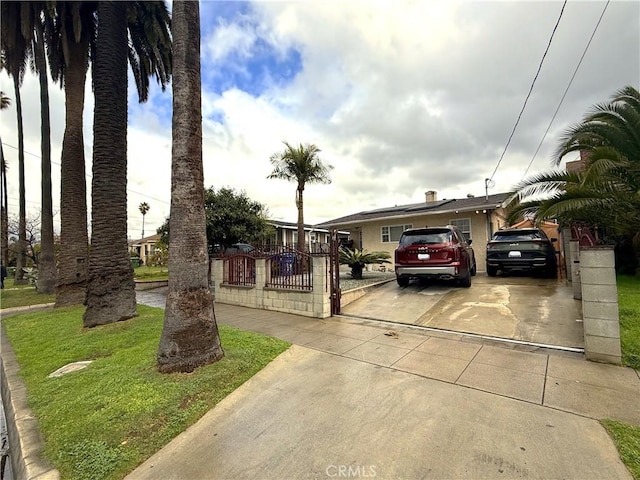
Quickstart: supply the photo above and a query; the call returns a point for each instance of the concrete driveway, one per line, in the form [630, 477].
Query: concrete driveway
[522, 308]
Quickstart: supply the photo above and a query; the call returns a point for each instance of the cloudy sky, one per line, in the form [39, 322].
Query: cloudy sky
[401, 97]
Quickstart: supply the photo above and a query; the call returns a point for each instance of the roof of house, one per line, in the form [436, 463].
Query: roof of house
[151, 239]
[424, 208]
[294, 226]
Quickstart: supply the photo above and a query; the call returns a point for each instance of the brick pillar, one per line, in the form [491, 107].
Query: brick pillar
[600, 304]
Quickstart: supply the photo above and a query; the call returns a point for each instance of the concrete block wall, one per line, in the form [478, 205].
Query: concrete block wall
[314, 303]
[600, 304]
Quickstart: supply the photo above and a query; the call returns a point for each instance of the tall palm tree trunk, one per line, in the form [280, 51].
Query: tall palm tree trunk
[22, 220]
[300, 205]
[47, 265]
[190, 333]
[110, 286]
[4, 214]
[72, 267]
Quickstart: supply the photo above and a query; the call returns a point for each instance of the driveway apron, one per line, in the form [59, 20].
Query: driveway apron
[527, 309]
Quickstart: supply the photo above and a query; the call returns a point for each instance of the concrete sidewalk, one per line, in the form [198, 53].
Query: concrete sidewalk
[311, 414]
[355, 398]
[556, 379]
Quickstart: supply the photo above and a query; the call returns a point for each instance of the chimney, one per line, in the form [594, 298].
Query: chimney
[431, 196]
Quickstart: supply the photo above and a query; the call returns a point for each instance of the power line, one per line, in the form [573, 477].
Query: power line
[566, 90]
[530, 90]
[88, 175]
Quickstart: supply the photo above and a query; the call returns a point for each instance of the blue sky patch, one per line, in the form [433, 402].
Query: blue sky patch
[253, 67]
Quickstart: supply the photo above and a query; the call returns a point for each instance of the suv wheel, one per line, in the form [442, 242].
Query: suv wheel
[466, 280]
[403, 281]
[474, 270]
[492, 271]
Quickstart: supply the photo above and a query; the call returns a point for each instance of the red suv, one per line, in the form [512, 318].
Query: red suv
[435, 253]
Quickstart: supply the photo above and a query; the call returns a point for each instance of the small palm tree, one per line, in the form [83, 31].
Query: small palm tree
[357, 259]
[301, 165]
[144, 208]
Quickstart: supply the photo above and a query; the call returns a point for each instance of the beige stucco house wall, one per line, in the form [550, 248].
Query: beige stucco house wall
[477, 217]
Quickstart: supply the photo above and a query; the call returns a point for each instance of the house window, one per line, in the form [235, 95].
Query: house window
[464, 224]
[392, 233]
[295, 237]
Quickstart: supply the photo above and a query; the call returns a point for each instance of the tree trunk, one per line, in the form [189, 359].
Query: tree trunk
[72, 265]
[4, 214]
[300, 205]
[47, 264]
[190, 333]
[111, 293]
[21, 257]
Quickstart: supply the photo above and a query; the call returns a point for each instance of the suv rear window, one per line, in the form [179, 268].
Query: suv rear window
[516, 236]
[426, 237]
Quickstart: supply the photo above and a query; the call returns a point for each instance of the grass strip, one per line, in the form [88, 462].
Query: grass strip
[629, 311]
[23, 296]
[103, 421]
[627, 440]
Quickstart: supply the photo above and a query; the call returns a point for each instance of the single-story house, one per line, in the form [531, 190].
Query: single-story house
[380, 229]
[144, 247]
[286, 234]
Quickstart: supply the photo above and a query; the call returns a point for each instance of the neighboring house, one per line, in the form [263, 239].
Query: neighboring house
[144, 248]
[286, 233]
[380, 229]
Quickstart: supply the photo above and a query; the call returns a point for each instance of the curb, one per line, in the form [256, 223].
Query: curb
[25, 440]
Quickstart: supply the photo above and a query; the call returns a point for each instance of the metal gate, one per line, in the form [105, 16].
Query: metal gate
[334, 272]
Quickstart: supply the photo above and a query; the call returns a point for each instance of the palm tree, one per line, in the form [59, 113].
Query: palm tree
[300, 165]
[47, 272]
[110, 287]
[16, 49]
[144, 208]
[357, 259]
[4, 214]
[607, 192]
[190, 333]
[110, 295]
[70, 41]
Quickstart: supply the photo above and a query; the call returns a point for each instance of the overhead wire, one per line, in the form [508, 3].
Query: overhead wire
[88, 175]
[575, 72]
[515, 126]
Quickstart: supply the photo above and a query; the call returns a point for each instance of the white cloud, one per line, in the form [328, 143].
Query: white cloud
[401, 97]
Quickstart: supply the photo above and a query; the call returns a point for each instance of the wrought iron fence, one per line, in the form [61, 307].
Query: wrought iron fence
[290, 270]
[239, 269]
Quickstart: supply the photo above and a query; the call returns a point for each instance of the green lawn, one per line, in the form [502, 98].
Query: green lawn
[151, 273]
[103, 421]
[629, 308]
[627, 437]
[22, 295]
[627, 440]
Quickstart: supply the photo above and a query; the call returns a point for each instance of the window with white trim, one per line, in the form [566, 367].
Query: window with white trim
[464, 224]
[392, 233]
